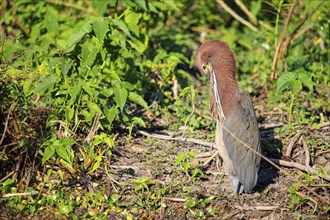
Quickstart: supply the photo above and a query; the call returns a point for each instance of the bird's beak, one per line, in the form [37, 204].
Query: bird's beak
[207, 69]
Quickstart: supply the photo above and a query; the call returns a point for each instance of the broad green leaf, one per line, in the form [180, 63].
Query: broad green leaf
[296, 87]
[64, 153]
[68, 141]
[48, 153]
[110, 114]
[100, 27]
[120, 97]
[46, 84]
[75, 91]
[122, 26]
[132, 19]
[139, 121]
[69, 112]
[88, 54]
[27, 87]
[64, 149]
[90, 91]
[199, 213]
[51, 23]
[284, 81]
[179, 158]
[137, 99]
[65, 209]
[93, 107]
[142, 4]
[306, 79]
[100, 5]
[82, 30]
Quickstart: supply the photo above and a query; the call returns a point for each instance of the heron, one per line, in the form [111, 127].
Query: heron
[232, 108]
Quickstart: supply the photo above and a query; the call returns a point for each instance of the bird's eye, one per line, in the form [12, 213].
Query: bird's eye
[204, 67]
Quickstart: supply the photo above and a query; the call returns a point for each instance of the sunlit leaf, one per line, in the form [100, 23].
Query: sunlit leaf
[122, 26]
[48, 153]
[100, 27]
[93, 107]
[132, 96]
[120, 97]
[45, 84]
[139, 121]
[110, 114]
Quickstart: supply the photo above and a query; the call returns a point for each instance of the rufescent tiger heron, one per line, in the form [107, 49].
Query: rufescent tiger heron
[233, 111]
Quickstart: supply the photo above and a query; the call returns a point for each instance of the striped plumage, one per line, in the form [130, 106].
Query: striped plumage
[233, 110]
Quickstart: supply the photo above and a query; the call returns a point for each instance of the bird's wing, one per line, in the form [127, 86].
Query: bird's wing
[243, 124]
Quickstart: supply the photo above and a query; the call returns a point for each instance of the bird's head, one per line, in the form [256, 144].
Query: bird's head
[216, 56]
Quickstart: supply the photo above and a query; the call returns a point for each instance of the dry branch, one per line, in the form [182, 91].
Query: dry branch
[259, 208]
[237, 17]
[246, 11]
[292, 143]
[307, 154]
[272, 161]
[20, 194]
[299, 167]
[182, 139]
[74, 6]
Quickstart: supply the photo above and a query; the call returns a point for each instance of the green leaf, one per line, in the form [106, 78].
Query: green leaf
[69, 112]
[88, 53]
[93, 107]
[179, 158]
[75, 91]
[132, 19]
[134, 97]
[120, 97]
[65, 209]
[110, 114]
[122, 26]
[48, 153]
[100, 5]
[139, 121]
[284, 82]
[306, 79]
[199, 213]
[296, 87]
[100, 27]
[51, 23]
[82, 30]
[45, 84]
[64, 149]
[142, 4]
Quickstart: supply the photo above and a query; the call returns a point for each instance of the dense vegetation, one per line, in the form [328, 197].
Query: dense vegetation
[79, 79]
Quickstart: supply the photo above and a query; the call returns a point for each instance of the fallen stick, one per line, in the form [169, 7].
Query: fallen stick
[20, 194]
[182, 139]
[299, 167]
[292, 143]
[205, 143]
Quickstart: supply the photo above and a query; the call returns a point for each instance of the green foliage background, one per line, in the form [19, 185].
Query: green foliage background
[65, 64]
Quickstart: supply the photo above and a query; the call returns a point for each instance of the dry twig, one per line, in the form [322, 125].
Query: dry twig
[246, 11]
[182, 139]
[94, 128]
[20, 194]
[292, 143]
[237, 17]
[307, 154]
[272, 161]
[299, 166]
[258, 207]
[6, 124]
[72, 5]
